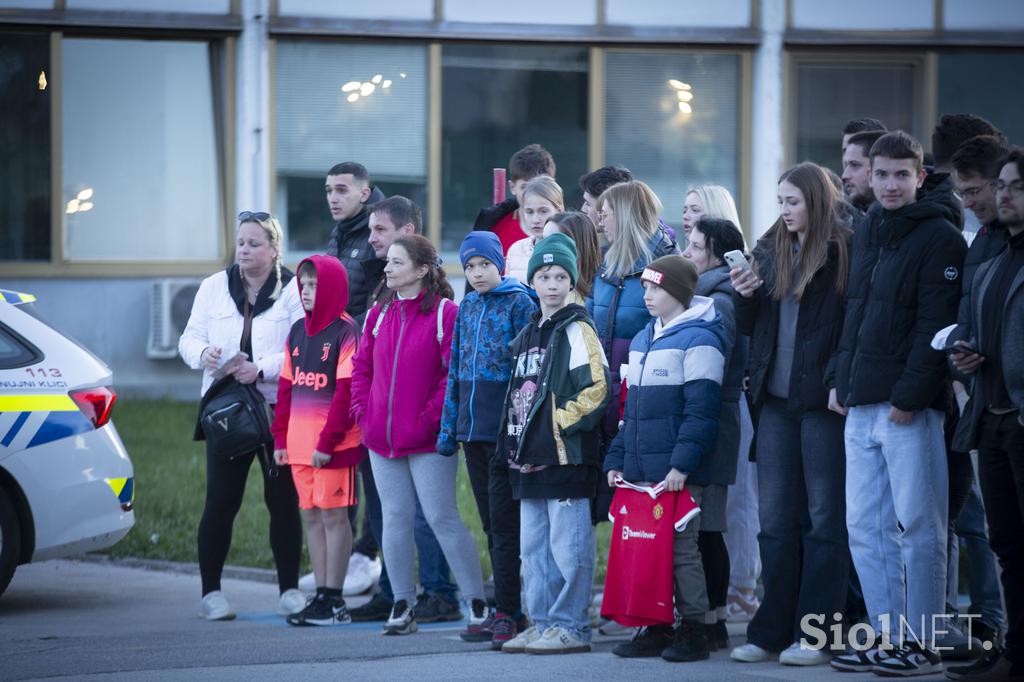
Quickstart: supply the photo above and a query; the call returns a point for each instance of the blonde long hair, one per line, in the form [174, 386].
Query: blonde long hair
[636, 208]
[275, 235]
[717, 203]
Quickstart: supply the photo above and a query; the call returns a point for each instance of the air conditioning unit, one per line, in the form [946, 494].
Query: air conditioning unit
[170, 304]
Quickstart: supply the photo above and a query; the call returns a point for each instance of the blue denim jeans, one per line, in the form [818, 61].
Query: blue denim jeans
[971, 533]
[557, 546]
[897, 476]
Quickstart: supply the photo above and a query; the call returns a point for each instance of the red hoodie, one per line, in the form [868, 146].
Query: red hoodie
[315, 387]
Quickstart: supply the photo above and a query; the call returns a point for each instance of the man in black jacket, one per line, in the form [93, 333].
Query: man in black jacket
[904, 286]
[349, 193]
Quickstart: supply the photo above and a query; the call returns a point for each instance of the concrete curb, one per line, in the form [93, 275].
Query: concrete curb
[260, 575]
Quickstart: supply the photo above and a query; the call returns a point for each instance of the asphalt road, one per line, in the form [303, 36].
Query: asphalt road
[100, 621]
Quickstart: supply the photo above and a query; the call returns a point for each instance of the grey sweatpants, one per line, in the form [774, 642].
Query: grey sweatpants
[690, 586]
[431, 477]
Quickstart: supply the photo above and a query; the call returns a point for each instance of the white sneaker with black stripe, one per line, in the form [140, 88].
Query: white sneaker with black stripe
[910, 660]
[402, 620]
[854, 661]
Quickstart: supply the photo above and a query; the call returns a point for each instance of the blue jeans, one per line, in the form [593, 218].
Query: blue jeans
[896, 475]
[557, 546]
[986, 598]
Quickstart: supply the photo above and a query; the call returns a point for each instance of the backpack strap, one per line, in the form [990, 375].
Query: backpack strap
[440, 320]
[380, 318]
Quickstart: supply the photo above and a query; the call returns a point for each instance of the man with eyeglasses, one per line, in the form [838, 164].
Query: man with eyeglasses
[991, 339]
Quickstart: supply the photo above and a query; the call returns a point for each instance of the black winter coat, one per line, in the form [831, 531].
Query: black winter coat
[818, 325]
[904, 286]
[350, 243]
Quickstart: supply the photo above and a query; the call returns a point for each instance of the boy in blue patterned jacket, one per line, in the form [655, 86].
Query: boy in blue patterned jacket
[673, 402]
[489, 318]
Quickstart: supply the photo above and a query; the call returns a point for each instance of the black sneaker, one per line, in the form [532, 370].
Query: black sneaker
[985, 633]
[378, 608]
[648, 642]
[402, 620]
[718, 635]
[992, 666]
[321, 610]
[854, 661]
[433, 608]
[910, 660]
[689, 643]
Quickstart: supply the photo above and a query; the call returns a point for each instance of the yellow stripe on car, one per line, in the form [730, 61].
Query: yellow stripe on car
[37, 403]
[15, 297]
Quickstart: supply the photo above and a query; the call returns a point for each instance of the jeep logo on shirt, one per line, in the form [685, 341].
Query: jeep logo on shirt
[316, 380]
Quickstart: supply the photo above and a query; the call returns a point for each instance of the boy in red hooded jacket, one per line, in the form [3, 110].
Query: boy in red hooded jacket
[314, 433]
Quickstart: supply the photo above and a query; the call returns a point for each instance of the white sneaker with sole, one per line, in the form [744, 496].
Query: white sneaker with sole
[518, 644]
[307, 583]
[292, 601]
[749, 653]
[363, 573]
[558, 640]
[797, 654]
[215, 606]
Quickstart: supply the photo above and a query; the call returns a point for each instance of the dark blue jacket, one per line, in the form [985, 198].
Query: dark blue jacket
[481, 363]
[674, 389]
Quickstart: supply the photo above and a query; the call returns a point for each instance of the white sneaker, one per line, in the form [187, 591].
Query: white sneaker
[558, 640]
[797, 654]
[363, 573]
[292, 601]
[307, 583]
[518, 644]
[749, 653]
[215, 606]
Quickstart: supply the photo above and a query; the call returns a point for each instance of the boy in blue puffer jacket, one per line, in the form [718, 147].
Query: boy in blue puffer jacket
[673, 402]
[490, 317]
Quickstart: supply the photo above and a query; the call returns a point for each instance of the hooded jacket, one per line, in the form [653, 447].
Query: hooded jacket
[481, 363]
[315, 387]
[673, 398]
[503, 220]
[553, 407]
[904, 286]
[617, 306]
[350, 243]
[716, 284]
[399, 376]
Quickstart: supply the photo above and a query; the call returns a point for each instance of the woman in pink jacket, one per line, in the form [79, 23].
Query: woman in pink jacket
[398, 383]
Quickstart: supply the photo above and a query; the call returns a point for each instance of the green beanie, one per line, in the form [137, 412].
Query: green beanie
[557, 249]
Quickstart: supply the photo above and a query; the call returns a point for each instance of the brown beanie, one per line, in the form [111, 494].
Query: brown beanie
[674, 274]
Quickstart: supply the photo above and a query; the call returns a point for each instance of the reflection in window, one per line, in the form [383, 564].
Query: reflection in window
[498, 99]
[830, 94]
[337, 102]
[969, 82]
[140, 172]
[25, 141]
[673, 120]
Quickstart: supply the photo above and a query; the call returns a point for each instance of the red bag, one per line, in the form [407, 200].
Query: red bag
[639, 581]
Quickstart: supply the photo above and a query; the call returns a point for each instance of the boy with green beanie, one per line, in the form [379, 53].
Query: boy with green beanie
[549, 437]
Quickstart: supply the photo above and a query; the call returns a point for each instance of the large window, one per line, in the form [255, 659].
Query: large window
[337, 102]
[140, 177]
[25, 141]
[496, 100]
[985, 84]
[830, 92]
[673, 120]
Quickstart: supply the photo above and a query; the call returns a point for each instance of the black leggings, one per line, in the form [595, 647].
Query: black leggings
[225, 486]
[715, 557]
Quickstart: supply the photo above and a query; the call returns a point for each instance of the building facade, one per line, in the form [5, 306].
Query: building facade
[134, 131]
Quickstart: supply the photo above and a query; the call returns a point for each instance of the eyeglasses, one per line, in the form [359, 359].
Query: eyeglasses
[253, 215]
[1015, 187]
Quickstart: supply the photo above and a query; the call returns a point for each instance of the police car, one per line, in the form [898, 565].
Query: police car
[66, 483]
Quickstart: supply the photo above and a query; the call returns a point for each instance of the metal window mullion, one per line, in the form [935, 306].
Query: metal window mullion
[57, 246]
[596, 113]
[434, 133]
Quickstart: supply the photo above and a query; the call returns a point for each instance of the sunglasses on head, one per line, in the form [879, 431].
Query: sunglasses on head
[253, 215]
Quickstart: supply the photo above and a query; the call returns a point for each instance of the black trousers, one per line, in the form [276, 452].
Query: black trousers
[715, 557]
[499, 514]
[225, 486]
[1001, 475]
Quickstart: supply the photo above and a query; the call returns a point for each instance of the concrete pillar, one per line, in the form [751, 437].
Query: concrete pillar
[252, 178]
[768, 153]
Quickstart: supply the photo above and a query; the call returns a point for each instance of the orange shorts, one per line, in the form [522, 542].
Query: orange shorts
[324, 488]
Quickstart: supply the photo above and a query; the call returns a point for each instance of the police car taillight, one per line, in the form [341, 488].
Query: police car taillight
[95, 403]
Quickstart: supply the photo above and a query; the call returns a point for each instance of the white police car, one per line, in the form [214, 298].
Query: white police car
[66, 483]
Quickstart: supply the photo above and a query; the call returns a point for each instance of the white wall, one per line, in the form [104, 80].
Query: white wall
[864, 15]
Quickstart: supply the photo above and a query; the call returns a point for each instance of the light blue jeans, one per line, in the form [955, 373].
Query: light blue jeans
[896, 476]
[557, 546]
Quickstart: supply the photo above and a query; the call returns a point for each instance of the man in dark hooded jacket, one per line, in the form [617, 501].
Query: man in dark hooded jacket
[349, 194]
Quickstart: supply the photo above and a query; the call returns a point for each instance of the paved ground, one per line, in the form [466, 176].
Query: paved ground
[86, 619]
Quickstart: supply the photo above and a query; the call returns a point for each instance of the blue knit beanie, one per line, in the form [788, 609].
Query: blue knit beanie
[485, 244]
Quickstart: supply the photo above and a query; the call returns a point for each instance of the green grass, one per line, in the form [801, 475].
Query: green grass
[170, 486]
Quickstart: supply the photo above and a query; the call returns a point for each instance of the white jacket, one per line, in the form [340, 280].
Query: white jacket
[215, 321]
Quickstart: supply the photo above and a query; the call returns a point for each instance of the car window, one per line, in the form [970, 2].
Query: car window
[16, 351]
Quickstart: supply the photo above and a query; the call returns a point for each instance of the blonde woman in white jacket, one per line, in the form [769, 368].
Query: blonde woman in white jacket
[256, 283]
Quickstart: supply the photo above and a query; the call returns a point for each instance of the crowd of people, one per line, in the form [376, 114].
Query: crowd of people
[832, 415]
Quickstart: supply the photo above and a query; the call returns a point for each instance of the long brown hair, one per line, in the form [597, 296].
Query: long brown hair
[435, 284]
[824, 229]
[578, 227]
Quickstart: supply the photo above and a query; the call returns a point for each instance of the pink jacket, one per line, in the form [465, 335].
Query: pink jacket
[399, 376]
